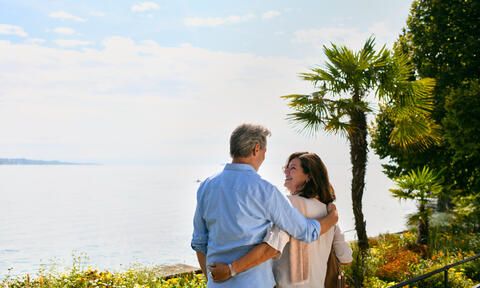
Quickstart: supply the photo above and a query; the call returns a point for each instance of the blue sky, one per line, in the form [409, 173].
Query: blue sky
[167, 81]
[261, 27]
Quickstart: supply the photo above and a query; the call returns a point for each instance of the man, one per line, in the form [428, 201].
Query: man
[236, 207]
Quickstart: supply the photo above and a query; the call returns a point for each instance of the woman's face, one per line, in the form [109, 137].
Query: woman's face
[295, 178]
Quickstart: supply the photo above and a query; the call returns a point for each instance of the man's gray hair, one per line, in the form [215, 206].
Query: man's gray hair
[245, 137]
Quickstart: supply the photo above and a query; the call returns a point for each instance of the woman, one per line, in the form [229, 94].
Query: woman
[301, 264]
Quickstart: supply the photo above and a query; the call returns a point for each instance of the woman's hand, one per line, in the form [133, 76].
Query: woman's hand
[219, 272]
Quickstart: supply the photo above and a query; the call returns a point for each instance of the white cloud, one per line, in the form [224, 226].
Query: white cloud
[217, 21]
[68, 43]
[36, 41]
[62, 15]
[145, 6]
[270, 14]
[7, 29]
[349, 36]
[140, 99]
[97, 13]
[382, 31]
[323, 36]
[64, 31]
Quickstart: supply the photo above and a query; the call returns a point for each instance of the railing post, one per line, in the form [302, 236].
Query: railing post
[445, 278]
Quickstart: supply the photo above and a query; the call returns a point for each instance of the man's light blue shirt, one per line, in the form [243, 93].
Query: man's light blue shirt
[234, 210]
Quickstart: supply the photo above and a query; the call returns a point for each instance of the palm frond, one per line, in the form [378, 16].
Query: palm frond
[330, 79]
[401, 193]
[338, 127]
[414, 131]
[314, 112]
[342, 58]
[397, 82]
[394, 76]
[354, 74]
[368, 49]
[365, 55]
[381, 58]
[340, 111]
[420, 184]
[307, 120]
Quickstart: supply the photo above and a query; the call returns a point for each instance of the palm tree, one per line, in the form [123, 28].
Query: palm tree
[340, 106]
[421, 185]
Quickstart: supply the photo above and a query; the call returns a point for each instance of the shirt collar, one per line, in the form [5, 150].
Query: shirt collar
[239, 167]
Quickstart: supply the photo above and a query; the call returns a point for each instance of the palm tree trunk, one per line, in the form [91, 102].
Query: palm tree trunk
[358, 157]
[423, 224]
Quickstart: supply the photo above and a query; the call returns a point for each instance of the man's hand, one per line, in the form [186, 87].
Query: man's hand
[333, 212]
[330, 220]
[260, 253]
[331, 207]
[219, 272]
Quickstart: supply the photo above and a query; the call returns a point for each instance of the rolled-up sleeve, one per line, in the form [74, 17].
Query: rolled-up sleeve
[341, 247]
[277, 239]
[286, 217]
[200, 231]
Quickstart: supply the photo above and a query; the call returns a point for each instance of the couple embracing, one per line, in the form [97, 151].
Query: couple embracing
[248, 234]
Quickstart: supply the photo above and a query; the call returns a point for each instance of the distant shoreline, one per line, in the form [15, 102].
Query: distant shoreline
[24, 161]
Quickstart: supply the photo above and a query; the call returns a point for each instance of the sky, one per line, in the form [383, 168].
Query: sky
[166, 82]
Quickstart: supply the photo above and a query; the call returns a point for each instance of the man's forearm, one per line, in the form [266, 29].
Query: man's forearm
[259, 254]
[202, 260]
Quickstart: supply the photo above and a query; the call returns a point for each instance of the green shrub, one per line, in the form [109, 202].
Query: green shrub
[395, 258]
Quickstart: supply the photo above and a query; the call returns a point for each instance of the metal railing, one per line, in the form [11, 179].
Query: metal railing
[444, 269]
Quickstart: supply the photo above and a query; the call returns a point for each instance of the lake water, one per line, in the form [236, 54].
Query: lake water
[120, 215]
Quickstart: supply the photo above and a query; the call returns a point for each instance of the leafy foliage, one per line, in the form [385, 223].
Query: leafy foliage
[444, 40]
[395, 258]
[94, 278]
[441, 41]
[421, 185]
[79, 276]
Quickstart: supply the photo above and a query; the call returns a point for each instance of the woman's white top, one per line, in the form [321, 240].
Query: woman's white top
[318, 250]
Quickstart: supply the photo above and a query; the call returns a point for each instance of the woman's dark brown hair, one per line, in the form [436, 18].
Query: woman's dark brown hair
[318, 186]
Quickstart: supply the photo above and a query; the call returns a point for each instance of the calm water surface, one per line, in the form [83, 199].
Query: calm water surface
[120, 215]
